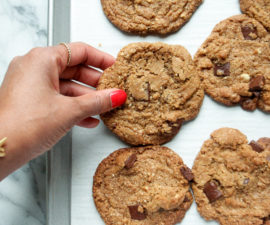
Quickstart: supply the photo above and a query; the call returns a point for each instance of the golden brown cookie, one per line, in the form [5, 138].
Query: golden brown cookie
[149, 16]
[232, 179]
[234, 63]
[145, 185]
[163, 90]
[258, 9]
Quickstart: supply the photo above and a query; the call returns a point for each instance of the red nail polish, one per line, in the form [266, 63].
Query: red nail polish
[118, 98]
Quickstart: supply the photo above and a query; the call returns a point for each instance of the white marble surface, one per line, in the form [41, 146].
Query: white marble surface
[22, 194]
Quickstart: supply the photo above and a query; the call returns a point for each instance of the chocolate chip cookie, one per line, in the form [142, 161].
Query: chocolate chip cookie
[235, 63]
[232, 179]
[145, 185]
[149, 16]
[258, 9]
[163, 90]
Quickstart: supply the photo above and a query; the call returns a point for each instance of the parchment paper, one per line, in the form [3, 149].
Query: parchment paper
[90, 25]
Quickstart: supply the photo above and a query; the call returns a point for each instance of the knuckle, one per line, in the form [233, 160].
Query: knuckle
[80, 43]
[15, 60]
[35, 51]
[98, 106]
[81, 107]
[55, 59]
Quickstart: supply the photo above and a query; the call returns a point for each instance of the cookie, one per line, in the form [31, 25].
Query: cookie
[145, 185]
[163, 90]
[234, 63]
[258, 9]
[232, 179]
[149, 16]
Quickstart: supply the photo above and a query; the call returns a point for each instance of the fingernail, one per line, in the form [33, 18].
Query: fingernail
[118, 98]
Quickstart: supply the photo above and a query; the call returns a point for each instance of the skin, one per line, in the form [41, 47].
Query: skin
[40, 102]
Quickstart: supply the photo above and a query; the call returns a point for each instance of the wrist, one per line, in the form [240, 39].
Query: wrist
[17, 151]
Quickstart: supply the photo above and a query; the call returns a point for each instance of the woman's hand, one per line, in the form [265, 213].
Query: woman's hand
[40, 102]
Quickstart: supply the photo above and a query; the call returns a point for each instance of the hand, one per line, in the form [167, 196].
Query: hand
[40, 102]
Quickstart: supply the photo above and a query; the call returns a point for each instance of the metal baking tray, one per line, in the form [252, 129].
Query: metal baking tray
[72, 162]
[58, 162]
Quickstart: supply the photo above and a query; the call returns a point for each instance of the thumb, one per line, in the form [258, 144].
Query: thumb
[97, 102]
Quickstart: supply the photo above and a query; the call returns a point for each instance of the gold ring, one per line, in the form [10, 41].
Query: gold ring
[69, 52]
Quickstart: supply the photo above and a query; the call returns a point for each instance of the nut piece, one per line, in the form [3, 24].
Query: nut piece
[245, 77]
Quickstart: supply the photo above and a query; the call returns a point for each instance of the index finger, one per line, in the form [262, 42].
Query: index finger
[82, 53]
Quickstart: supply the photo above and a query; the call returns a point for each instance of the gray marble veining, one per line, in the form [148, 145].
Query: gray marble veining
[22, 194]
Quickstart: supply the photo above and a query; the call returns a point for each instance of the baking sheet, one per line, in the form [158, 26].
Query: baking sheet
[58, 163]
[89, 24]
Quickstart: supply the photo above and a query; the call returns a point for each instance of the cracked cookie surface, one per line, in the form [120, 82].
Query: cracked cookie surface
[258, 9]
[144, 186]
[232, 179]
[234, 63]
[149, 16]
[163, 90]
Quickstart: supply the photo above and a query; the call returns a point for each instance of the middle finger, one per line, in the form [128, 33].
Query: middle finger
[81, 73]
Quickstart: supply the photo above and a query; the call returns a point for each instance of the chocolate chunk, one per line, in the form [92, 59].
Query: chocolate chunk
[246, 181]
[266, 220]
[161, 210]
[256, 146]
[187, 173]
[186, 199]
[222, 69]
[130, 161]
[265, 142]
[211, 191]
[248, 103]
[256, 94]
[247, 30]
[257, 83]
[135, 213]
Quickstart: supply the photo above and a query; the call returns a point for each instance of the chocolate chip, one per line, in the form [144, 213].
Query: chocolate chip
[211, 191]
[257, 83]
[130, 161]
[135, 213]
[256, 146]
[187, 173]
[246, 181]
[222, 69]
[247, 30]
